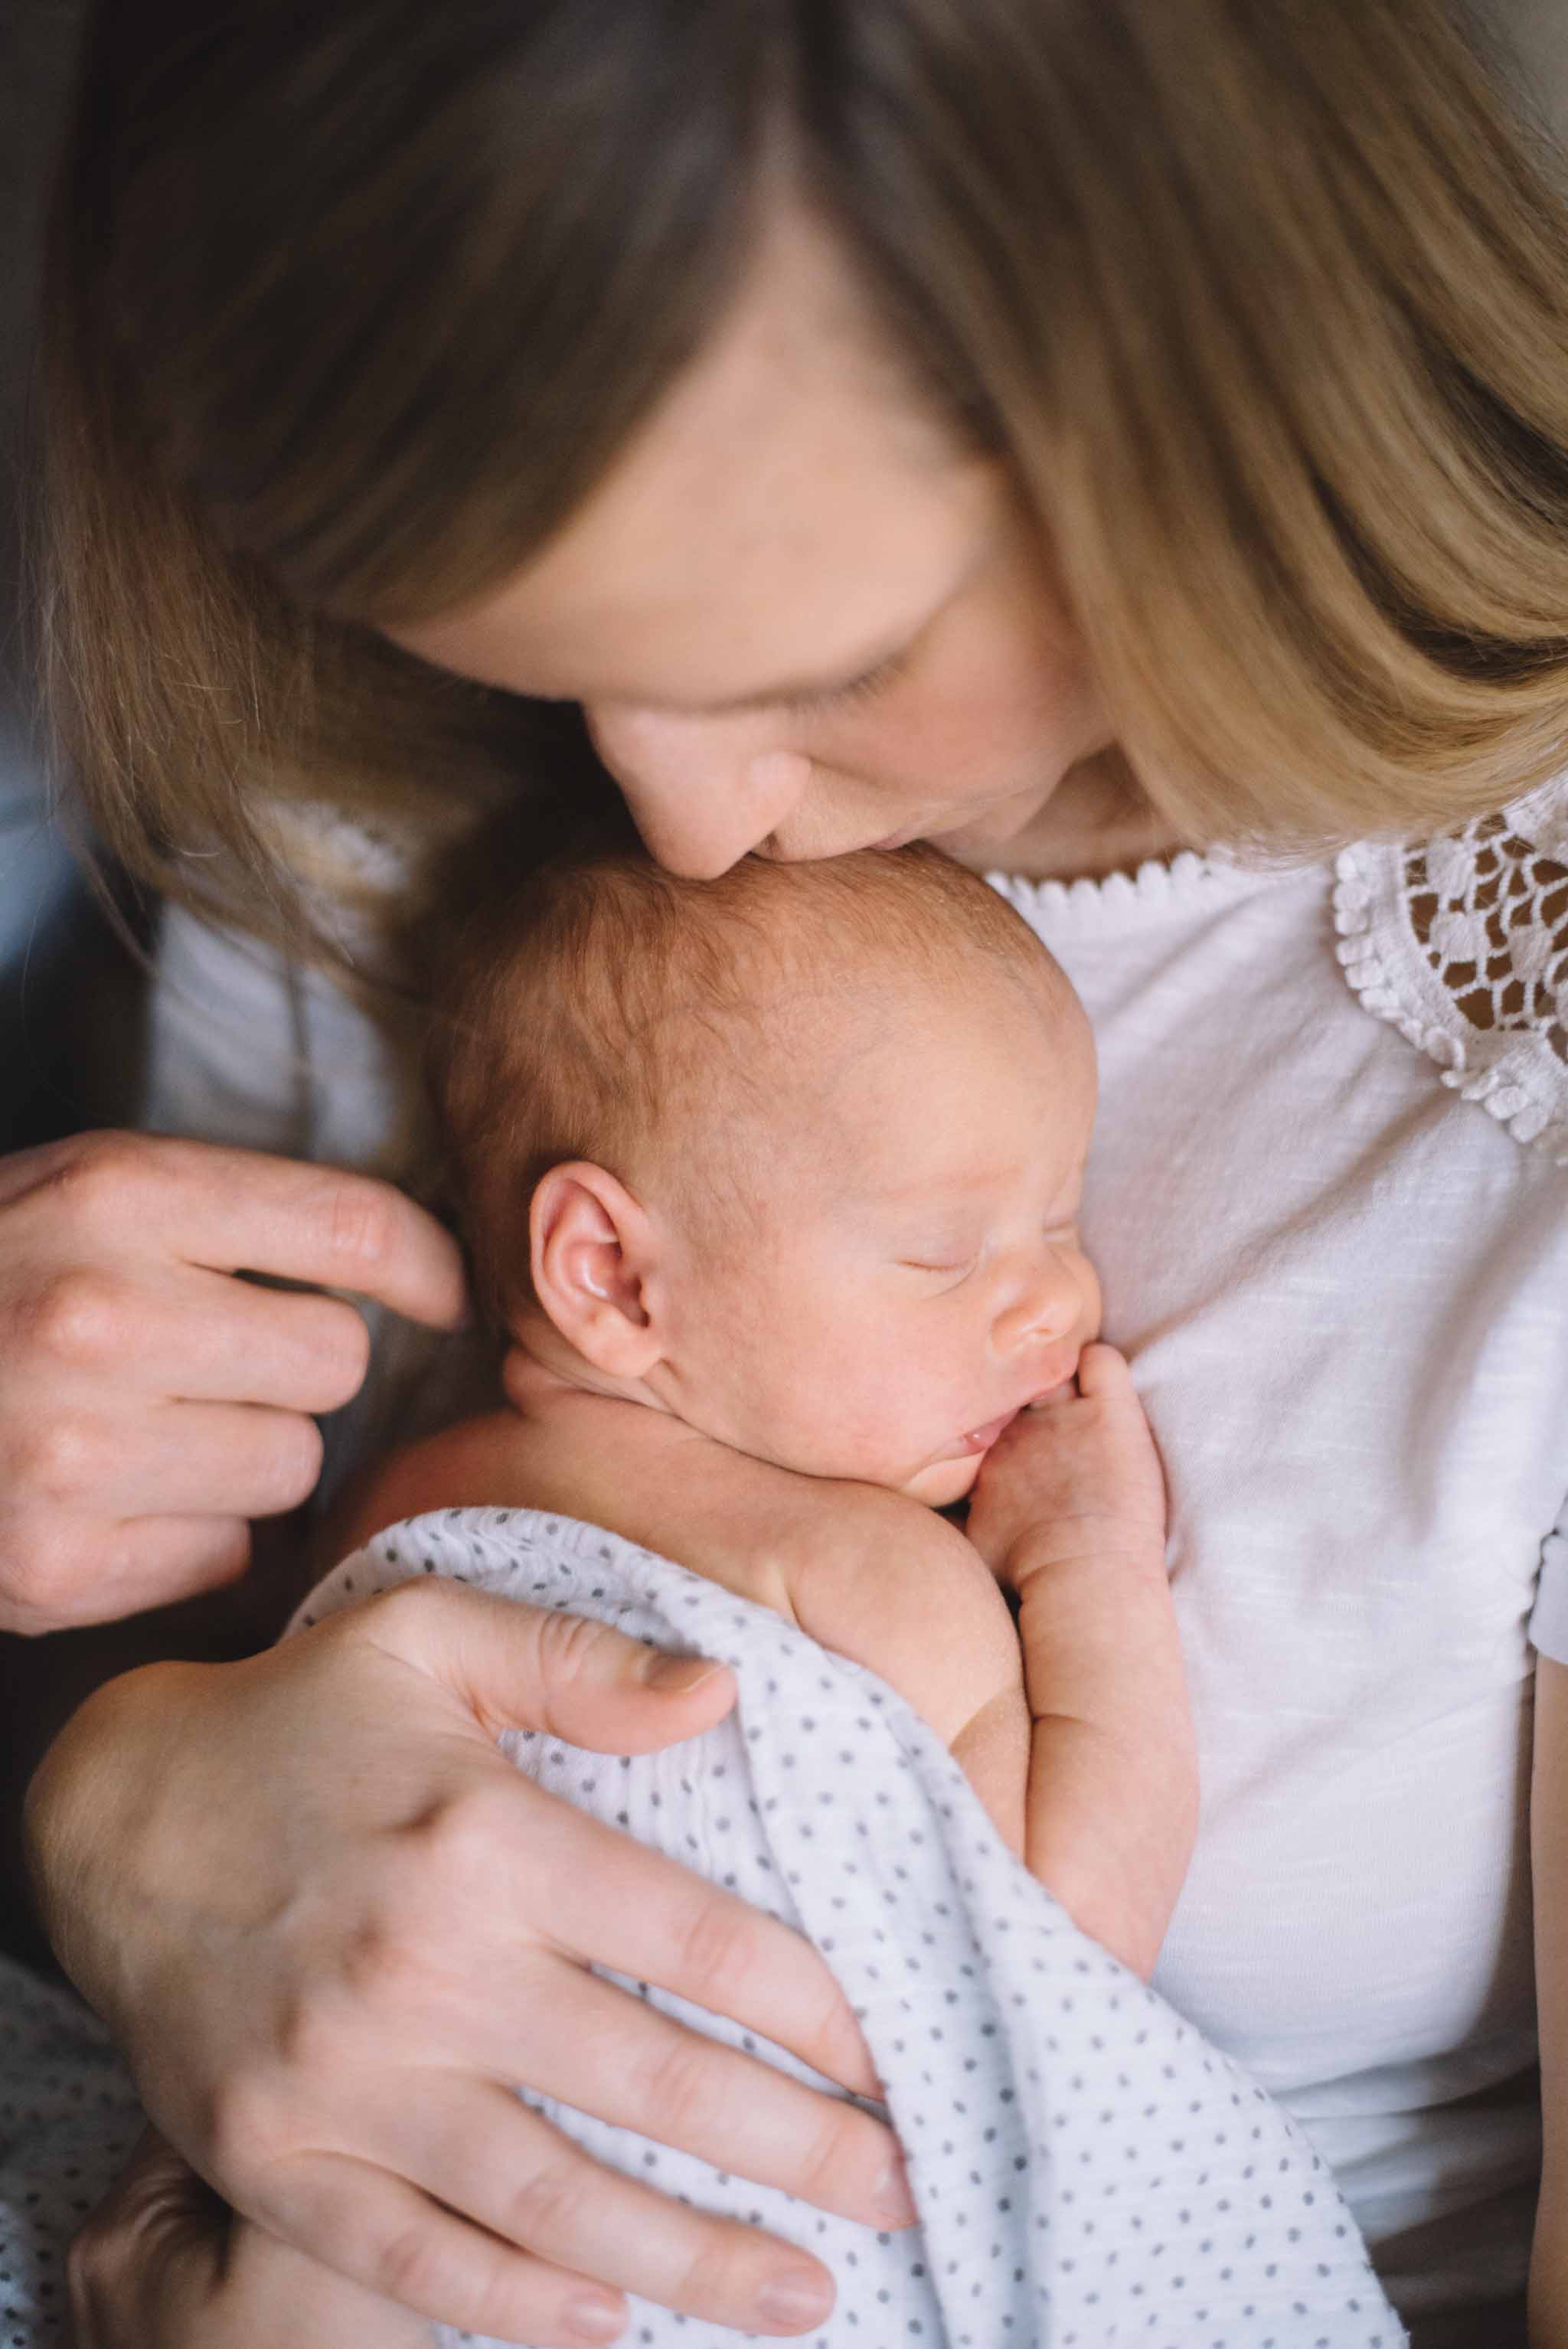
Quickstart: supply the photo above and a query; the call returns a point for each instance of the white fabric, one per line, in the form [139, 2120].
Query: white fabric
[1462, 942]
[1341, 1286]
[1087, 2171]
[68, 2119]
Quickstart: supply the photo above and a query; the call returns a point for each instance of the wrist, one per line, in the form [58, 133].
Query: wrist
[1111, 1551]
[84, 1812]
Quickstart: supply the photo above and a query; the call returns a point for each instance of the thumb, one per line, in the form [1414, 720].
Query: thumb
[145, 2264]
[520, 1667]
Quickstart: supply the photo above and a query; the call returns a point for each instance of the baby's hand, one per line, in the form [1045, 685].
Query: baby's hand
[161, 2261]
[1068, 1511]
[1077, 1472]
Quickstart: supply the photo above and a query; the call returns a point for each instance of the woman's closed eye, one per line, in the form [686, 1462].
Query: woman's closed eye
[858, 688]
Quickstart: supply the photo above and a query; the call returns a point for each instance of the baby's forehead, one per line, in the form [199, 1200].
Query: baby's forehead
[857, 1050]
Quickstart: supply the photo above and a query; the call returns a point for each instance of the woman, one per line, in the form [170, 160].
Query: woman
[1068, 434]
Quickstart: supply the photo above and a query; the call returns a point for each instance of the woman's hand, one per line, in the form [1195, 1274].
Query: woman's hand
[162, 2264]
[332, 1926]
[149, 1403]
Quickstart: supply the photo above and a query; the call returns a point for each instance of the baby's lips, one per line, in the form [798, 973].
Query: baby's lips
[980, 1439]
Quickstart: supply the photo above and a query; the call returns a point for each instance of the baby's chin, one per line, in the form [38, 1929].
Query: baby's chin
[942, 1482]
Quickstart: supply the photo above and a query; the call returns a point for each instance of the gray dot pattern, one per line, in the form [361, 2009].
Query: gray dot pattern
[1089, 2172]
[68, 2119]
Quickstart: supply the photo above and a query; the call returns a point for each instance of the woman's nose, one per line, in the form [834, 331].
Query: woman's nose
[702, 791]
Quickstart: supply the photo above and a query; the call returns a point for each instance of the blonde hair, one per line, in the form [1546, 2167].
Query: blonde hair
[1265, 306]
[599, 1008]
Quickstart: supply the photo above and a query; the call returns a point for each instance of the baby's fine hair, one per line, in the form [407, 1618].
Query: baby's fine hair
[596, 1007]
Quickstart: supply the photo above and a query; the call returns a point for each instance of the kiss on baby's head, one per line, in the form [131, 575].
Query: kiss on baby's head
[794, 1153]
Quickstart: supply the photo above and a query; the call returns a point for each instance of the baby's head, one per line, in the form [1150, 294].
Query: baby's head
[795, 1154]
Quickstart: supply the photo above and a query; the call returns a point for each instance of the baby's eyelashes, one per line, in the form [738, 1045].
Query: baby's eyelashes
[953, 1269]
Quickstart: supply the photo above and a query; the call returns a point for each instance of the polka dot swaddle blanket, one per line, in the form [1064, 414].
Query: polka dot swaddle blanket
[1089, 2172]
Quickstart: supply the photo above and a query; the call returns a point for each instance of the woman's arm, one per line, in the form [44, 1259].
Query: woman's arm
[1549, 1867]
[331, 1925]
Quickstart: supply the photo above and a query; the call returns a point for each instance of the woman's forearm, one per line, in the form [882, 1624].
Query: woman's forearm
[44, 1681]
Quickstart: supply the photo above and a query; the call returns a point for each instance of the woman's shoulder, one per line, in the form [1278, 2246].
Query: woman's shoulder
[1461, 943]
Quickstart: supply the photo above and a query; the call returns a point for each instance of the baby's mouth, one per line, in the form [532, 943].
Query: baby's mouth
[980, 1439]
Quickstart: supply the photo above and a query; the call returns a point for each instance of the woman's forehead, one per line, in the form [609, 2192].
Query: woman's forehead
[788, 517]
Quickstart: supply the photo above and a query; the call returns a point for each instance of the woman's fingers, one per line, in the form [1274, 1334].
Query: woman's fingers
[692, 1937]
[118, 1307]
[534, 1667]
[183, 1458]
[144, 1562]
[624, 2062]
[524, 2183]
[232, 1210]
[168, 1330]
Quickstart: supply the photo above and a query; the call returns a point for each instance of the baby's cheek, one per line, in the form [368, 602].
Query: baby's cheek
[945, 1481]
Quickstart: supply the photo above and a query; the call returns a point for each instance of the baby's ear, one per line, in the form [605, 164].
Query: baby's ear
[592, 1247]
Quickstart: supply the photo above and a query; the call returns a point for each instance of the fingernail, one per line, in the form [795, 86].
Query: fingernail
[593, 2318]
[678, 1675]
[893, 2199]
[803, 2296]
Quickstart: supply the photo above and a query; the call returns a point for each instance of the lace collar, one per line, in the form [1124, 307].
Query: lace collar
[1461, 943]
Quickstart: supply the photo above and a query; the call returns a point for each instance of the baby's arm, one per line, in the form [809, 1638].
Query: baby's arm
[1069, 1513]
[1549, 1868]
[870, 1574]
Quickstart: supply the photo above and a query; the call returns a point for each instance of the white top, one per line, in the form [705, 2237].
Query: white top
[1340, 1281]
[1341, 1284]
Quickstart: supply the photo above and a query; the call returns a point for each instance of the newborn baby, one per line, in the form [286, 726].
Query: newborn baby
[772, 1182]
[781, 1172]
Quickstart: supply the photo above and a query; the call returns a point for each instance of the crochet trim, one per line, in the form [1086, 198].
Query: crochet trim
[1461, 944]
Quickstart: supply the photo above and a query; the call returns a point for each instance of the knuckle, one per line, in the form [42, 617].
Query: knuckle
[362, 1220]
[292, 1464]
[77, 1319]
[42, 1585]
[339, 1353]
[834, 2157]
[463, 1840]
[403, 1619]
[570, 1646]
[721, 1950]
[719, 2271]
[55, 1457]
[682, 2087]
[542, 2211]
[245, 2131]
[412, 2266]
[383, 1969]
[102, 1178]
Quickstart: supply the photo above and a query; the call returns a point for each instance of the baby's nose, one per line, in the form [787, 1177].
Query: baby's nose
[1043, 1311]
